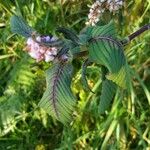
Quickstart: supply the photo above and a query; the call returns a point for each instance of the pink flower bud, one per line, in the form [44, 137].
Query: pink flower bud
[42, 50]
[49, 58]
[54, 51]
[48, 52]
[29, 41]
[47, 38]
[38, 38]
[34, 54]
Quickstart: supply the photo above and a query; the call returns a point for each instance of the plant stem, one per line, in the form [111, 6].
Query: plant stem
[132, 36]
[138, 32]
[124, 41]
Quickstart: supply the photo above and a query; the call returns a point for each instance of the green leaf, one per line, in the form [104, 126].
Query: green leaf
[104, 49]
[85, 35]
[19, 26]
[120, 78]
[83, 39]
[69, 34]
[108, 52]
[58, 100]
[84, 80]
[108, 91]
[106, 30]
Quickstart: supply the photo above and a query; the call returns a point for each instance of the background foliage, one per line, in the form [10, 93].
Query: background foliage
[126, 125]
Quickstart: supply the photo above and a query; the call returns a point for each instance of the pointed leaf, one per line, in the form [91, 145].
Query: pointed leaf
[107, 51]
[84, 80]
[19, 26]
[58, 100]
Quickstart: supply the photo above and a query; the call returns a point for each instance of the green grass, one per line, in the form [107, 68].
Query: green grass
[22, 82]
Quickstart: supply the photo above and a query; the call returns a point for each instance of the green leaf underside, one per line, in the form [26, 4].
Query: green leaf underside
[120, 78]
[58, 100]
[19, 26]
[108, 91]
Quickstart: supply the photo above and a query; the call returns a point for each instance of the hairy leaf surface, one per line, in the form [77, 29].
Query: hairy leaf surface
[58, 100]
[19, 26]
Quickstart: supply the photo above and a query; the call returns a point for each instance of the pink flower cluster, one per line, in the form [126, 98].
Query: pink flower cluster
[40, 52]
[98, 8]
[95, 12]
[114, 5]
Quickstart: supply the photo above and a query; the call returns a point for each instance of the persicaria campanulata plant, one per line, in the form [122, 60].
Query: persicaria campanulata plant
[98, 44]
